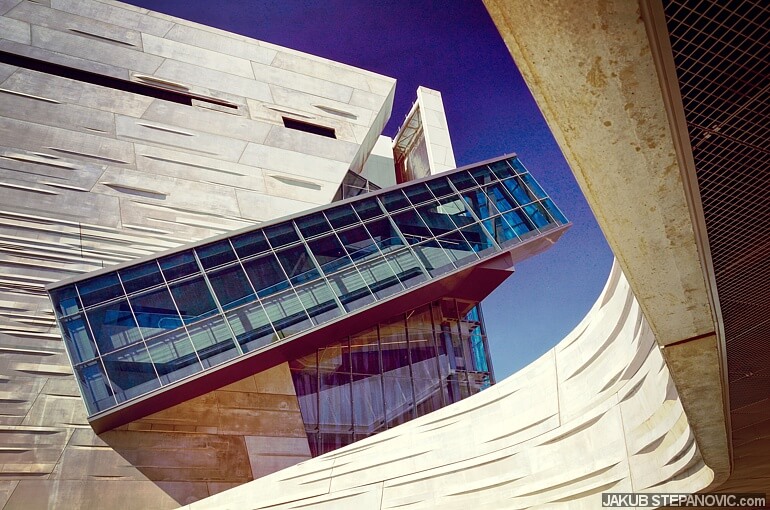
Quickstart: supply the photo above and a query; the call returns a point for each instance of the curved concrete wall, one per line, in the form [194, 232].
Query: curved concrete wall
[597, 413]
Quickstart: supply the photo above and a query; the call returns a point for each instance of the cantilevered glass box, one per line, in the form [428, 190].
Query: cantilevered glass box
[148, 334]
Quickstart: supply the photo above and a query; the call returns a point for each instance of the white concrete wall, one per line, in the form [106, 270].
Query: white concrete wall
[597, 413]
[92, 176]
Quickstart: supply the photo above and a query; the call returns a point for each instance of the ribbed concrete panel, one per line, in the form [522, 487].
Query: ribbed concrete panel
[93, 175]
[604, 389]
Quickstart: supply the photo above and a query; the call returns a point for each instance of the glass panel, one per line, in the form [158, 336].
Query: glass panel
[351, 290]
[411, 226]
[537, 214]
[368, 208]
[130, 372]
[394, 200]
[313, 225]
[379, 276]
[368, 405]
[518, 166]
[251, 243]
[329, 253]
[231, 287]
[297, 264]
[433, 257]
[533, 185]
[519, 193]
[479, 203]
[365, 352]
[554, 211]
[462, 180]
[65, 300]
[155, 312]
[141, 277]
[454, 207]
[251, 327]
[96, 390]
[501, 169]
[318, 300]
[437, 221]
[385, 235]
[440, 187]
[287, 314]
[418, 193]
[501, 230]
[193, 299]
[213, 342]
[478, 238]
[306, 385]
[215, 254]
[100, 289]
[358, 243]
[80, 345]
[342, 216]
[457, 248]
[281, 234]
[407, 268]
[423, 355]
[482, 175]
[335, 406]
[395, 354]
[500, 198]
[266, 275]
[178, 265]
[173, 356]
[113, 326]
[399, 406]
[518, 222]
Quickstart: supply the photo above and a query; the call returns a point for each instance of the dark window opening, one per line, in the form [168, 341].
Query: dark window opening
[308, 127]
[107, 81]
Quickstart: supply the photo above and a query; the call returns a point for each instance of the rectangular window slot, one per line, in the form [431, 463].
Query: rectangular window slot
[307, 127]
[109, 81]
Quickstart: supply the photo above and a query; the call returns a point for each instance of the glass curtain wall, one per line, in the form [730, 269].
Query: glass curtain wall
[395, 371]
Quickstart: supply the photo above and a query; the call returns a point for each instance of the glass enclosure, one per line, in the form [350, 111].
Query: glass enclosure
[396, 370]
[144, 326]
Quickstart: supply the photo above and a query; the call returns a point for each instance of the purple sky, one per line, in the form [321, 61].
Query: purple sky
[451, 46]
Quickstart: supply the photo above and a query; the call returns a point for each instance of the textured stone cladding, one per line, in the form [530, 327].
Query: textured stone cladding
[93, 175]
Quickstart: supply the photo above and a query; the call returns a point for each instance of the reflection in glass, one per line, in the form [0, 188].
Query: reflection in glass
[281, 234]
[406, 267]
[379, 276]
[231, 287]
[100, 289]
[193, 299]
[266, 275]
[358, 243]
[215, 254]
[155, 312]
[297, 264]
[368, 208]
[313, 225]
[411, 226]
[80, 345]
[141, 277]
[501, 169]
[65, 301]
[536, 212]
[462, 180]
[329, 253]
[178, 265]
[554, 211]
[342, 216]
[478, 238]
[418, 193]
[113, 325]
[94, 386]
[433, 257]
[384, 235]
[515, 188]
[250, 243]
[130, 372]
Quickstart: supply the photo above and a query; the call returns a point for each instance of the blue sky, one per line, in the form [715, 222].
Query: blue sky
[451, 46]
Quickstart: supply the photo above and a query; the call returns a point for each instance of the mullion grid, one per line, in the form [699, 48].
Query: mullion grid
[274, 252]
[184, 325]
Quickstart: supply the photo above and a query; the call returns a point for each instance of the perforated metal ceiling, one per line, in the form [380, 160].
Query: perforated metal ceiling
[722, 54]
